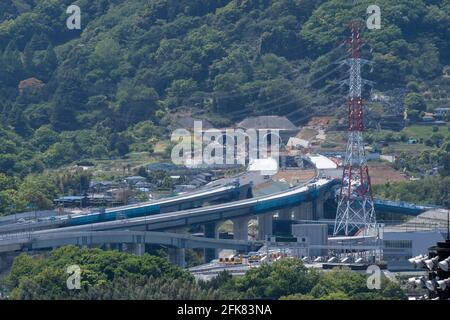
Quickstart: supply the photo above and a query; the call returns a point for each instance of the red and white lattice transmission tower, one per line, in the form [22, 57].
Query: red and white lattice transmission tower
[355, 209]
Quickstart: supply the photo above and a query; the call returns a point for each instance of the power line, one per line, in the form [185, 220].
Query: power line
[243, 112]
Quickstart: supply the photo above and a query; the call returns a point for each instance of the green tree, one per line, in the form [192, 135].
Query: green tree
[104, 274]
[49, 63]
[12, 65]
[106, 54]
[67, 100]
[273, 281]
[44, 137]
[28, 59]
[136, 103]
[37, 192]
[415, 101]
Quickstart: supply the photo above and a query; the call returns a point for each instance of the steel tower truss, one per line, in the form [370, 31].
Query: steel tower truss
[355, 209]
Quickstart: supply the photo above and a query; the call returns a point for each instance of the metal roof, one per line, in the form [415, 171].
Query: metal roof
[267, 122]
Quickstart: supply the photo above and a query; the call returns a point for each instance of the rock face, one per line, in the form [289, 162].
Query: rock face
[30, 84]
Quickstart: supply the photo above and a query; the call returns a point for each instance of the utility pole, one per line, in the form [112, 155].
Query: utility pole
[355, 209]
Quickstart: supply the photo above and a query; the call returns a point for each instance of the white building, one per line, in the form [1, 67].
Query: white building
[322, 162]
[297, 143]
[267, 167]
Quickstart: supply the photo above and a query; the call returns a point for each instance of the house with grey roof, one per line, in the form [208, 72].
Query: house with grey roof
[283, 125]
[187, 122]
[131, 181]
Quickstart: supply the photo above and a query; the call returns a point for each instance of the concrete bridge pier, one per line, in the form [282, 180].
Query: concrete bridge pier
[296, 213]
[2, 261]
[133, 248]
[140, 249]
[137, 249]
[177, 256]
[285, 214]
[304, 211]
[265, 223]
[240, 228]
[319, 214]
[211, 231]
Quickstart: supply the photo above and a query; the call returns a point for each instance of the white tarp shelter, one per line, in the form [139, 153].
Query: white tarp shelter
[267, 167]
[322, 162]
[298, 143]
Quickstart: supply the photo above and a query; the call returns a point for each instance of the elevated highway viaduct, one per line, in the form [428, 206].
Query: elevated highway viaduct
[301, 203]
[213, 195]
[128, 241]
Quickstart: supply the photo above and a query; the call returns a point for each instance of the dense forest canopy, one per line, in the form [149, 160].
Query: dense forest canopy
[107, 89]
[116, 275]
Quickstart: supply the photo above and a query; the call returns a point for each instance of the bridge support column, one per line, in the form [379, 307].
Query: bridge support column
[309, 210]
[285, 214]
[319, 214]
[305, 211]
[240, 228]
[134, 248]
[211, 231]
[2, 261]
[297, 213]
[140, 249]
[177, 256]
[265, 222]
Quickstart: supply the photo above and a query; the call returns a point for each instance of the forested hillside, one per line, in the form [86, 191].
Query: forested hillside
[115, 275]
[108, 89]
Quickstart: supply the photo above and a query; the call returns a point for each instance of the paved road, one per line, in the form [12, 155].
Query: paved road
[39, 240]
[195, 216]
[181, 202]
